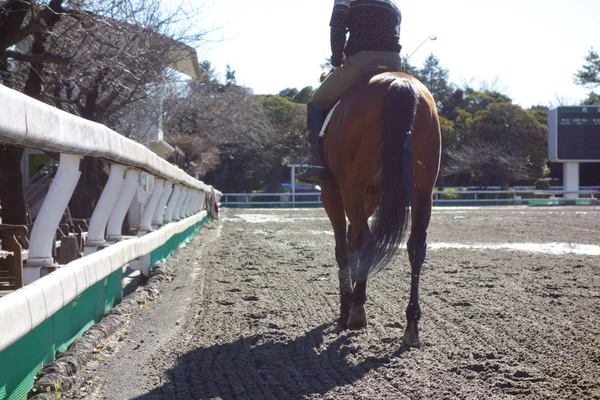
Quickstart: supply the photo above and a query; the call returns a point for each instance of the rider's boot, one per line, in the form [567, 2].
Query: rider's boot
[315, 172]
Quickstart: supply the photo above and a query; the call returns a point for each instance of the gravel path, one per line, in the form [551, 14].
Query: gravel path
[250, 314]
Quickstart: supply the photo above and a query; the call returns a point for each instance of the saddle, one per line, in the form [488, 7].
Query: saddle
[376, 68]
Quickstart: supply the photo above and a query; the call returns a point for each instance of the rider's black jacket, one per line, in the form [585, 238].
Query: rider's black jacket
[373, 25]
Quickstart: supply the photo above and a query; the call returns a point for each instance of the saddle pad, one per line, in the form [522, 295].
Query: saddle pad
[324, 128]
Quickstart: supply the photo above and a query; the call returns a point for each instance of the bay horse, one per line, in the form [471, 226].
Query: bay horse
[382, 154]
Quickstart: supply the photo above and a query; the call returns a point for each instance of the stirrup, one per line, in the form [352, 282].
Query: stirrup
[314, 176]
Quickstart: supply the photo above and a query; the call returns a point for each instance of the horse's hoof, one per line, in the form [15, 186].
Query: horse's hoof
[342, 322]
[358, 318]
[411, 338]
[411, 342]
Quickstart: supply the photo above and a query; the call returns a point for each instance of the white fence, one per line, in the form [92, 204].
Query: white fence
[271, 199]
[449, 196]
[164, 198]
[524, 195]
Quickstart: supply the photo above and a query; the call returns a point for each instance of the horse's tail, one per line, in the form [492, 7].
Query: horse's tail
[396, 188]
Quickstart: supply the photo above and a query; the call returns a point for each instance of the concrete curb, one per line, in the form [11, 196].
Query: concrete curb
[59, 373]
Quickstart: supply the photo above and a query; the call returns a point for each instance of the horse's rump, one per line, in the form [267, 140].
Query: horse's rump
[354, 126]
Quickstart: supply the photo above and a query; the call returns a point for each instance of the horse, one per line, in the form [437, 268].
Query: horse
[382, 149]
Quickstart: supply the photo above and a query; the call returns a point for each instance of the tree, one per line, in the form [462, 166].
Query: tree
[456, 101]
[480, 101]
[303, 97]
[589, 75]
[93, 59]
[409, 69]
[31, 21]
[592, 99]
[289, 121]
[115, 63]
[229, 76]
[225, 131]
[435, 78]
[487, 163]
[518, 132]
[541, 113]
[17, 23]
[451, 138]
[289, 93]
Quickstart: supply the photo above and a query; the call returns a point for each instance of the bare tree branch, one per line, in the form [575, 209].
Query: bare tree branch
[34, 58]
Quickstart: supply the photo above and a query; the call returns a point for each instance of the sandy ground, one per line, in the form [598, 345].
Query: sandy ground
[510, 299]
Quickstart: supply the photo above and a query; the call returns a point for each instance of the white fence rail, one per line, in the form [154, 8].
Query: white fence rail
[161, 200]
[517, 195]
[240, 199]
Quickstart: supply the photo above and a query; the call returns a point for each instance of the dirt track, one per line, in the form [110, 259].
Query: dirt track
[497, 323]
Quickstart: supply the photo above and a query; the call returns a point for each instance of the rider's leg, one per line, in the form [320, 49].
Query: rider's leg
[325, 97]
[315, 117]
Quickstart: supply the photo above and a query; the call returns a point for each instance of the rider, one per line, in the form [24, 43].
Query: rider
[374, 27]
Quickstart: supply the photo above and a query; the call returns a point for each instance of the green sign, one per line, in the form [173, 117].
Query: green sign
[574, 134]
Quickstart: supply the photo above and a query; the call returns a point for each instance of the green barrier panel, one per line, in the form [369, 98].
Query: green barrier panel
[176, 242]
[21, 362]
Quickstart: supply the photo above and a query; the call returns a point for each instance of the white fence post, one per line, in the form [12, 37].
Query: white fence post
[202, 200]
[157, 219]
[115, 222]
[190, 205]
[143, 264]
[104, 208]
[186, 206]
[179, 206]
[150, 209]
[172, 203]
[46, 223]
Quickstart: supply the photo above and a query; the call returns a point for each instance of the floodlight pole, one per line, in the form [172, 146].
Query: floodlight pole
[424, 41]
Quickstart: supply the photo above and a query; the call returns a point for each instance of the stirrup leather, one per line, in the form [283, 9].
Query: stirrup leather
[305, 166]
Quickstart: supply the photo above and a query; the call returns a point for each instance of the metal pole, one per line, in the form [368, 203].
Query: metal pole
[424, 41]
[293, 182]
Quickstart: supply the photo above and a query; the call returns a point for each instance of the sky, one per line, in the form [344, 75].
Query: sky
[526, 49]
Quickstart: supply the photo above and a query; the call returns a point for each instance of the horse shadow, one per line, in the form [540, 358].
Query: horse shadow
[266, 367]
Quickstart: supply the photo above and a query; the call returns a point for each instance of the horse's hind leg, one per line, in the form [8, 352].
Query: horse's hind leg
[332, 201]
[355, 209]
[417, 247]
[371, 199]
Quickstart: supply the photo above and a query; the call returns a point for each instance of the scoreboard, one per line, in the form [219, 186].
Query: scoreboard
[574, 134]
